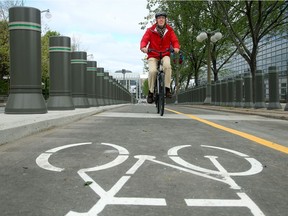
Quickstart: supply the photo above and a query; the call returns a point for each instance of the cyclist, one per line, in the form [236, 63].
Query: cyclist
[160, 37]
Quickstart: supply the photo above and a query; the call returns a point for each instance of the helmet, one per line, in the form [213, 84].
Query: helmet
[160, 14]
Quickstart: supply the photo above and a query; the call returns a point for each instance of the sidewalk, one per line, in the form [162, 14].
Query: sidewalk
[16, 126]
[276, 113]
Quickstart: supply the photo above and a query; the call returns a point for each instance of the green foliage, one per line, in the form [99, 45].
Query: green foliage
[239, 22]
[45, 53]
[4, 56]
[145, 88]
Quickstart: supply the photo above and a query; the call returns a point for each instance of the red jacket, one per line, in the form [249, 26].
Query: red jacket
[155, 42]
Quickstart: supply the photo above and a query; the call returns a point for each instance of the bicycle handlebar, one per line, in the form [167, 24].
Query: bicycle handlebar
[160, 53]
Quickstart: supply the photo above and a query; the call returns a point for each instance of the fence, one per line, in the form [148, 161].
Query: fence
[238, 92]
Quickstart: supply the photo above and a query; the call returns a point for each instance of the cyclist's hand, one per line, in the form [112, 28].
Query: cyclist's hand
[144, 50]
[176, 50]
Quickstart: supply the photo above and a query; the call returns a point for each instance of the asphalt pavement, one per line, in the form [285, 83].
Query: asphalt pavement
[126, 160]
[14, 126]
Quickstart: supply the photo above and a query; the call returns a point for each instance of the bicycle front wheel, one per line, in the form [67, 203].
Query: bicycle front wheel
[161, 93]
[157, 102]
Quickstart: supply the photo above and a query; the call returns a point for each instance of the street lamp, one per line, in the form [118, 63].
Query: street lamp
[124, 71]
[90, 56]
[48, 15]
[213, 37]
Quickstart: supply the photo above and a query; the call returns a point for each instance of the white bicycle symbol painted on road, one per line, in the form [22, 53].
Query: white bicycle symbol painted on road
[108, 197]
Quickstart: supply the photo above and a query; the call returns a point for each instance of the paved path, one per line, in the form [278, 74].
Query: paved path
[130, 161]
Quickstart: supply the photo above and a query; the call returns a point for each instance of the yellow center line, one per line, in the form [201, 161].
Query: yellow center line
[258, 140]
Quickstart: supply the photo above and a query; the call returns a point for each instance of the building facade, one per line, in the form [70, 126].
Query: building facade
[273, 51]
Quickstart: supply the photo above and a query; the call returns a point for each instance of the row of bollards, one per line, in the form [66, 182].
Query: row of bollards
[74, 81]
[238, 92]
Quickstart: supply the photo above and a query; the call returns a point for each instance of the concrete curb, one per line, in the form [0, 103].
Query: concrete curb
[14, 127]
[277, 114]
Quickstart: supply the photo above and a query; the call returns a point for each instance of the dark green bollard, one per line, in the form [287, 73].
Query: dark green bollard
[79, 73]
[106, 88]
[114, 90]
[248, 97]
[25, 62]
[213, 93]
[99, 86]
[224, 90]
[273, 89]
[218, 93]
[60, 92]
[238, 91]
[230, 92]
[259, 90]
[286, 107]
[91, 83]
[111, 86]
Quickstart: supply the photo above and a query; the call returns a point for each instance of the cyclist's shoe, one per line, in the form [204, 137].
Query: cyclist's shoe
[150, 98]
[168, 93]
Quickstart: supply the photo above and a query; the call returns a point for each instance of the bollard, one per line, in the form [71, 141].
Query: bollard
[286, 107]
[99, 86]
[259, 90]
[248, 100]
[117, 90]
[273, 89]
[230, 92]
[224, 90]
[238, 91]
[213, 93]
[114, 87]
[218, 93]
[25, 62]
[91, 83]
[60, 90]
[111, 90]
[79, 73]
[106, 88]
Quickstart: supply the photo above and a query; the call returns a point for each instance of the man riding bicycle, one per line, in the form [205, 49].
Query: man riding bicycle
[159, 37]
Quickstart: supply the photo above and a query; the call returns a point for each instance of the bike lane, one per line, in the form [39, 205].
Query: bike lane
[130, 161]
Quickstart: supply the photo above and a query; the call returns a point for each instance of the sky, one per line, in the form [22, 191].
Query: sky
[107, 29]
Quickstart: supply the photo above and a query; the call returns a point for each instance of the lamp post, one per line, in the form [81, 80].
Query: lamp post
[213, 37]
[48, 15]
[90, 57]
[124, 71]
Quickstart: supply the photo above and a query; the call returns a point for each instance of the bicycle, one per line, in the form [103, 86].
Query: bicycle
[159, 87]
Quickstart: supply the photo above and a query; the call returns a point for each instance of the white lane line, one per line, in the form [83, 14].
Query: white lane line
[120, 159]
[244, 201]
[140, 115]
[119, 148]
[228, 150]
[256, 166]
[42, 161]
[231, 117]
[141, 160]
[67, 146]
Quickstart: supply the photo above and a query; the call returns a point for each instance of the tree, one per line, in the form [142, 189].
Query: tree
[145, 87]
[4, 57]
[45, 55]
[45, 60]
[189, 18]
[4, 8]
[258, 19]
[4, 44]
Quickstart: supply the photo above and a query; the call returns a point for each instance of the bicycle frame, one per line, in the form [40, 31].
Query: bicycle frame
[159, 87]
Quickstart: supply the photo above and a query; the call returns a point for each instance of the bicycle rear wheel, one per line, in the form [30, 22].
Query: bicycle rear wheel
[157, 102]
[161, 93]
